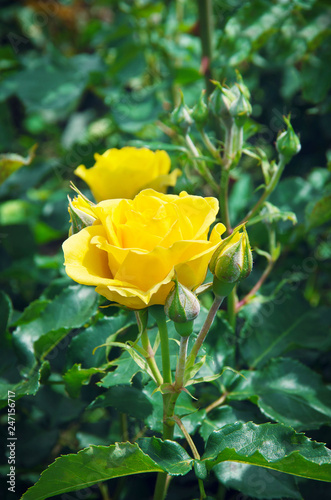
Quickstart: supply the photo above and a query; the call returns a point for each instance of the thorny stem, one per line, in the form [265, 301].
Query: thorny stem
[268, 190]
[256, 287]
[216, 403]
[160, 317]
[169, 400]
[204, 331]
[194, 452]
[209, 145]
[206, 35]
[224, 193]
[180, 369]
[232, 303]
[201, 165]
[150, 359]
[104, 491]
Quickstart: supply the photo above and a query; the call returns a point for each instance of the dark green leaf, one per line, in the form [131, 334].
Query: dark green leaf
[257, 482]
[274, 446]
[320, 212]
[5, 311]
[27, 386]
[82, 346]
[272, 329]
[170, 456]
[71, 309]
[288, 392]
[76, 377]
[100, 463]
[125, 399]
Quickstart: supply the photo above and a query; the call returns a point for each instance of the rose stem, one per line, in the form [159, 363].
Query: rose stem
[180, 369]
[204, 330]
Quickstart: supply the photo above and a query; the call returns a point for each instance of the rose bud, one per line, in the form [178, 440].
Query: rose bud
[182, 307]
[231, 262]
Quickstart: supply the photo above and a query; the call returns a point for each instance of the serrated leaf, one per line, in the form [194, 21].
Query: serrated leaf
[76, 377]
[274, 446]
[257, 482]
[229, 414]
[125, 370]
[82, 346]
[272, 329]
[70, 309]
[90, 466]
[167, 454]
[288, 392]
[125, 399]
[100, 463]
[27, 386]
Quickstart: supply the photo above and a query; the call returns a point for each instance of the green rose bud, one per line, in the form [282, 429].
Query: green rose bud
[232, 262]
[182, 307]
[220, 102]
[181, 116]
[241, 108]
[288, 143]
[200, 111]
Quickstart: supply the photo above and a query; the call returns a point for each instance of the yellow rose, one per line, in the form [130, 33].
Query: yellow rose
[134, 248]
[122, 173]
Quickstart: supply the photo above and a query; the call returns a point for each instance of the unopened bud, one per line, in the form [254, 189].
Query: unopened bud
[288, 143]
[80, 214]
[200, 111]
[181, 116]
[182, 307]
[241, 108]
[231, 262]
[220, 102]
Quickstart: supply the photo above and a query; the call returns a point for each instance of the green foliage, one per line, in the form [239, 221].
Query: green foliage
[77, 79]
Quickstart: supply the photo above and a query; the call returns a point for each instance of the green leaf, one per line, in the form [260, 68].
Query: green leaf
[82, 346]
[169, 455]
[10, 162]
[319, 213]
[257, 482]
[125, 370]
[76, 377]
[274, 446]
[229, 414]
[272, 329]
[125, 399]
[288, 392]
[5, 311]
[70, 309]
[100, 463]
[27, 386]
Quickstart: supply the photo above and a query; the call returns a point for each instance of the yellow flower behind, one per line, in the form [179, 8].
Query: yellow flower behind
[122, 173]
[134, 248]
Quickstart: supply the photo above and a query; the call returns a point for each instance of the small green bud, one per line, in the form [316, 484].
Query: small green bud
[220, 101]
[241, 108]
[78, 218]
[200, 111]
[232, 261]
[182, 307]
[288, 143]
[181, 116]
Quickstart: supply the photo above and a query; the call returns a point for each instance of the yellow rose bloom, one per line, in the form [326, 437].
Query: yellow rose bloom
[122, 173]
[134, 248]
